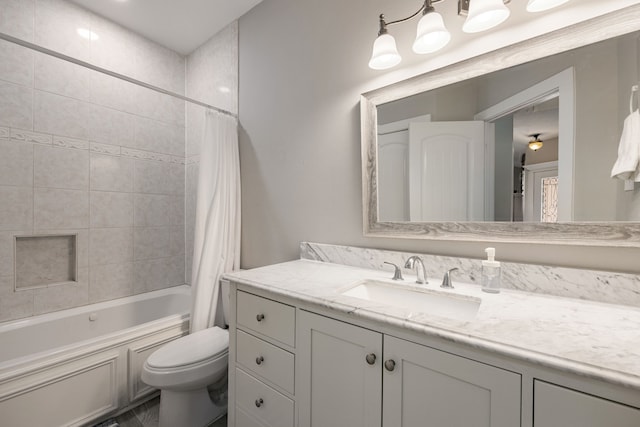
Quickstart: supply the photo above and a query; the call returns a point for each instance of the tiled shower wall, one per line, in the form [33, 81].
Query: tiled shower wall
[212, 77]
[85, 153]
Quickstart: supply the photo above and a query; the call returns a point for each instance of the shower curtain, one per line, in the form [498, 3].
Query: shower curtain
[217, 222]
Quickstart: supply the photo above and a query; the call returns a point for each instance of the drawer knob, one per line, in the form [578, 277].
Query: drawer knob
[371, 358]
[260, 317]
[259, 402]
[390, 365]
[259, 360]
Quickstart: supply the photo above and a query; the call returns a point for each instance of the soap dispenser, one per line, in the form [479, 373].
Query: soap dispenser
[491, 272]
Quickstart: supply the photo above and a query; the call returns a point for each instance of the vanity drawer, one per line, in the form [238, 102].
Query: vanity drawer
[262, 402]
[270, 318]
[275, 364]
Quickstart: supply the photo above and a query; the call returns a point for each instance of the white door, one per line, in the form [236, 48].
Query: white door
[447, 171]
[338, 373]
[533, 189]
[393, 169]
[428, 387]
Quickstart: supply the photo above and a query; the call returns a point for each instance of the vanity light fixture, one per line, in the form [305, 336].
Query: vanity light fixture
[535, 144]
[432, 35]
[541, 5]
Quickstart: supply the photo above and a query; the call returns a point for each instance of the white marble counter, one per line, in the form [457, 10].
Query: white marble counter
[592, 339]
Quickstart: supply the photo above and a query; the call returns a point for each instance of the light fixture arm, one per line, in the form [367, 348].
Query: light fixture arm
[425, 8]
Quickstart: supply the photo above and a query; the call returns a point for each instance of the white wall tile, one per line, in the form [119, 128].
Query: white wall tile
[110, 245]
[16, 63]
[6, 251]
[29, 136]
[116, 47]
[159, 106]
[213, 67]
[60, 297]
[16, 163]
[60, 209]
[82, 242]
[176, 240]
[61, 168]
[56, 25]
[111, 281]
[111, 173]
[16, 18]
[160, 66]
[114, 93]
[150, 275]
[110, 126]
[152, 210]
[62, 77]
[177, 210]
[152, 135]
[60, 115]
[158, 177]
[16, 106]
[194, 129]
[151, 243]
[110, 209]
[16, 208]
[14, 305]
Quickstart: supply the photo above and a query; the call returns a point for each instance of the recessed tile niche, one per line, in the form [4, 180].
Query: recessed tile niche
[45, 260]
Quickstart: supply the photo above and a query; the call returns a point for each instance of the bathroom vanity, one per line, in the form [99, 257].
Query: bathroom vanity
[304, 351]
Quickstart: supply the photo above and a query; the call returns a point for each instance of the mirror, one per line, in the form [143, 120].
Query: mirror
[447, 154]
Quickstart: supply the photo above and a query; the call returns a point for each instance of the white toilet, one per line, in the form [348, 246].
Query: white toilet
[184, 368]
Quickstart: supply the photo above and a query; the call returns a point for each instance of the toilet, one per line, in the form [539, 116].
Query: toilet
[185, 368]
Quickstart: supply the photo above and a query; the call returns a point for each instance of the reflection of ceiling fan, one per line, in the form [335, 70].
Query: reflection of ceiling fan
[535, 144]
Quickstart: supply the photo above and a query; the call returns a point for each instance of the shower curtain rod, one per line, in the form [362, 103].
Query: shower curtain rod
[64, 57]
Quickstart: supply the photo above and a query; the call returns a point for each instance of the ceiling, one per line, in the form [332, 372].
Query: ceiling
[539, 118]
[180, 25]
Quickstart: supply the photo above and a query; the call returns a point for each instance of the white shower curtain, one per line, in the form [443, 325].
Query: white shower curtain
[217, 222]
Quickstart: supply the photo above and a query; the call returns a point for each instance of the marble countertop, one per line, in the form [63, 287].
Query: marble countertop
[587, 338]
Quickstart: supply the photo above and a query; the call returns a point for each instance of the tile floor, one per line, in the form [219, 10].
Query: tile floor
[146, 415]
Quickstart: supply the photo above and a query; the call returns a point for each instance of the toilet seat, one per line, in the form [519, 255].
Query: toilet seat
[192, 361]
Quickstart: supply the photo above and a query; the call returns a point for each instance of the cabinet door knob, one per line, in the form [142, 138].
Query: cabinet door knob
[259, 402]
[259, 360]
[390, 365]
[371, 358]
[260, 317]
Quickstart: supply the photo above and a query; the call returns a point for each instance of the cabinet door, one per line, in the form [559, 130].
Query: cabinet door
[556, 406]
[431, 388]
[336, 385]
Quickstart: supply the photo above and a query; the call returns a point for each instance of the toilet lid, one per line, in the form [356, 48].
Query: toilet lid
[190, 349]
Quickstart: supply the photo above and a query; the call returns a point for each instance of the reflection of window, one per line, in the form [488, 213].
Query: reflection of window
[549, 208]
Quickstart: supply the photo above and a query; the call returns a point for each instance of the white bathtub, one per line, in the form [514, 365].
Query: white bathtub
[76, 366]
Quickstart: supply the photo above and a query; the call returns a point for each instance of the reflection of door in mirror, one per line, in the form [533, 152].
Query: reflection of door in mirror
[447, 171]
[541, 192]
[393, 168]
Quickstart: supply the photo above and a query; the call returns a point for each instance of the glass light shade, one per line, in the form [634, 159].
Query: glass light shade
[385, 53]
[540, 5]
[535, 145]
[485, 14]
[431, 35]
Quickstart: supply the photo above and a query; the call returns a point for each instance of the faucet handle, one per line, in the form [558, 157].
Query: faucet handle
[397, 274]
[446, 280]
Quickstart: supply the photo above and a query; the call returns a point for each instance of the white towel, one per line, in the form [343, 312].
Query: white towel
[627, 165]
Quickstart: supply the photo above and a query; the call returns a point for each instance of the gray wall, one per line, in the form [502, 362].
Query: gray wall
[302, 70]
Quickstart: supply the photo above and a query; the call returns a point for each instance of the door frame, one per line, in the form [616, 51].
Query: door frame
[561, 85]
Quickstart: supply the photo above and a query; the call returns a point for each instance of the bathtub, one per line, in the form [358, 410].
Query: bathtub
[76, 366]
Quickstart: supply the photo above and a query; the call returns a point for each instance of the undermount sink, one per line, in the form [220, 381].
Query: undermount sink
[416, 300]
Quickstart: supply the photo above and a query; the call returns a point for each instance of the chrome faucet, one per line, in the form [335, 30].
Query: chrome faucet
[446, 280]
[421, 273]
[397, 274]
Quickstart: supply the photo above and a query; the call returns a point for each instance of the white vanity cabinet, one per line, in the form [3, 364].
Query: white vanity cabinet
[556, 406]
[262, 367]
[296, 364]
[351, 376]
